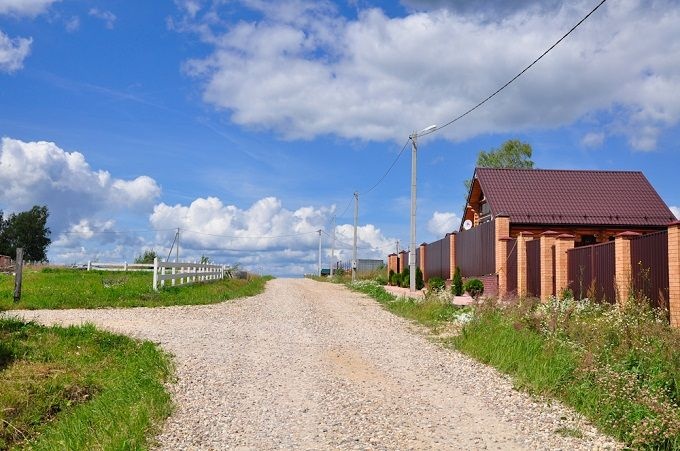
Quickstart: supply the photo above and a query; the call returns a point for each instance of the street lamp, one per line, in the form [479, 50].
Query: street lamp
[412, 253]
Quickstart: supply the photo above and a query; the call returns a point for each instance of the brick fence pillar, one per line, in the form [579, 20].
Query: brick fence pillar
[452, 255]
[563, 243]
[674, 273]
[522, 240]
[547, 265]
[422, 249]
[502, 226]
[623, 272]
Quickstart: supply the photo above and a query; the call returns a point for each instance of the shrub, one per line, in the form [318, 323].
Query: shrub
[390, 277]
[436, 284]
[419, 279]
[405, 278]
[474, 287]
[457, 285]
[381, 279]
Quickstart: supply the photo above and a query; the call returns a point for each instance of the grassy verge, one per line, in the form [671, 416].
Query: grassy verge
[78, 388]
[620, 367]
[56, 288]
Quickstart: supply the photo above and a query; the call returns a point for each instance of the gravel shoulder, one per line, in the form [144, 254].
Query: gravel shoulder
[314, 366]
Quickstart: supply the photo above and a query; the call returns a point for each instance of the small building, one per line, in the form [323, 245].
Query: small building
[594, 206]
[5, 261]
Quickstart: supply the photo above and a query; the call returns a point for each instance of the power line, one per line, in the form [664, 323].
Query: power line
[249, 237]
[519, 74]
[97, 232]
[388, 169]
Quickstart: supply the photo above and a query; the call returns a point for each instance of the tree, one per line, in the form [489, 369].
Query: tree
[513, 153]
[147, 257]
[27, 230]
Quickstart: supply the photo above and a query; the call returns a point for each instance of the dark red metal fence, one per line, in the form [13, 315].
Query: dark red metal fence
[511, 268]
[438, 259]
[534, 268]
[649, 261]
[476, 250]
[591, 272]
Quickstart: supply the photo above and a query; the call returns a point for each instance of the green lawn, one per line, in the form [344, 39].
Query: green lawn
[79, 388]
[56, 288]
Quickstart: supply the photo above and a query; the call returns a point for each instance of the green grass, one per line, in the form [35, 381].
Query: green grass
[56, 288]
[618, 367]
[79, 388]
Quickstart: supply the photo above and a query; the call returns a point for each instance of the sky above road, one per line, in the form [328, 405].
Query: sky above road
[249, 124]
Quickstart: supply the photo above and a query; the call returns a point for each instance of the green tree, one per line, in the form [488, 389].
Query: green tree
[147, 257]
[513, 153]
[27, 230]
[457, 285]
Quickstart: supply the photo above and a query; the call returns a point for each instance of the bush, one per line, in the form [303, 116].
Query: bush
[474, 287]
[457, 285]
[390, 277]
[381, 279]
[405, 278]
[419, 280]
[436, 284]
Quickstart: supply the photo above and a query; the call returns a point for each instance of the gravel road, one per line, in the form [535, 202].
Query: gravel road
[311, 365]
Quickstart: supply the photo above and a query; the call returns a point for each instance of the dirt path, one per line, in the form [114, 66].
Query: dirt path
[310, 365]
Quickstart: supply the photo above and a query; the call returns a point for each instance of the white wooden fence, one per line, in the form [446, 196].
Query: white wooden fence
[179, 273]
[184, 272]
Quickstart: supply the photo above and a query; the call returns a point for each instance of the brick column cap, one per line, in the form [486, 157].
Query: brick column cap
[628, 235]
[423, 244]
[502, 215]
[505, 238]
[549, 233]
[525, 233]
[565, 236]
[391, 255]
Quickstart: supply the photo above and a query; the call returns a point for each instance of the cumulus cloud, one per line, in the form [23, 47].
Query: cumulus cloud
[676, 211]
[13, 52]
[303, 70]
[593, 139]
[107, 16]
[264, 235]
[25, 7]
[42, 173]
[442, 223]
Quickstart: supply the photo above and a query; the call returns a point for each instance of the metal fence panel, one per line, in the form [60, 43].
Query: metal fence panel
[476, 250]
[649, 261]
[591, 272]
[437, 259]
[534, 268]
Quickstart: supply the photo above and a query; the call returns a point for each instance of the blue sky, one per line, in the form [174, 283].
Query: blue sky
[249, 124]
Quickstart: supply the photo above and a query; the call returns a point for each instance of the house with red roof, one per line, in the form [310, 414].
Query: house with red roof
[594, 206]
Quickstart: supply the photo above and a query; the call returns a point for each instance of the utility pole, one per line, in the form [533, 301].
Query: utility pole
[332, 260]
[177, 250]
[412, 250]
[319, 231]
[354, 247]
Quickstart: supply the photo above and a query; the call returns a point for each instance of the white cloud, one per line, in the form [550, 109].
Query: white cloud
[42, 173]
[72, 24]
[25, 7]
[302, 70]
[107, 16]
[442, 223]
[676, 212]
[264, 235]
[13, 52]
[593, 139]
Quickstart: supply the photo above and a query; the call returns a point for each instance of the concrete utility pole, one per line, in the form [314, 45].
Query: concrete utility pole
[332, 260]
[177, 250]
[354, 247]
[319, 231]
[412, 250]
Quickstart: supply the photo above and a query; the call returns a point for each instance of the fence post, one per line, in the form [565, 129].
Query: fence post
[18, 271]
[501, 232]
[547, 264]
[452, 255]
[125, 268]
[522, 240]
[155, 274]
[623, 271]
[674, 273]
[563, 243]
[89, 265]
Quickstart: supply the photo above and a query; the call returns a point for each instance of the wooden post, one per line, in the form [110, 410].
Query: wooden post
[17, 274]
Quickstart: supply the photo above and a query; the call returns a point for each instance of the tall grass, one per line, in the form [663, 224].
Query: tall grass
[56, 288]
[618, 366]
[79, 388]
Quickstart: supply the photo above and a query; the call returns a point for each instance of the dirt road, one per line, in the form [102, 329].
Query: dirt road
[310, 365]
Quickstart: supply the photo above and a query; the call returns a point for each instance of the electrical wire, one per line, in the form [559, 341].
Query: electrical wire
[250, 237]
[519, 74]
[388, 169]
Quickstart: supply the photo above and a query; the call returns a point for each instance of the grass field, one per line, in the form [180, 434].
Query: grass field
[57, 288]
[79, 388]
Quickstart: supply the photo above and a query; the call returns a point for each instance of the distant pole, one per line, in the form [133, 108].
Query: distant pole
[354, 246]
[319, 231]
[177, 250]
[332, 261]
[17, 274]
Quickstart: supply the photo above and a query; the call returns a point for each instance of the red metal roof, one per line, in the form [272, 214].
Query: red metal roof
[544, 196]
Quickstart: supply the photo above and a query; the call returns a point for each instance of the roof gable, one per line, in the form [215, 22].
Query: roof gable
[542, 196]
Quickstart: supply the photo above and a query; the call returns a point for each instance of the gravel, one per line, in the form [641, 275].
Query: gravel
[312, 365]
